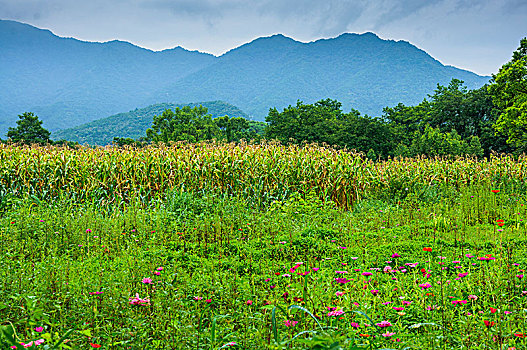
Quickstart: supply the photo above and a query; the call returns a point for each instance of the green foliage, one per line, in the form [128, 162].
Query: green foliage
[185, 124]
[509, 92]
[325, 122]
[133, 124]
[29, 131]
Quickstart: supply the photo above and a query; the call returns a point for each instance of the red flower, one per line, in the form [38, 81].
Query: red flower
[495, 191]
[489, 323]
[277, 273]
[500, 222]
[364, 335]
[493, 310]
[520, 335]
[96, 345]
[427, 249]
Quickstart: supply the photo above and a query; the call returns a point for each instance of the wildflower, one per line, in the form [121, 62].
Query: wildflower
[303, 273]
[472, 297]
[367, 273]
[398, 308]
[286, 275]
[354, 325]
[508, 312]
[208, 301]
[316, 269]
[427, 249]
[520, 335]
[495, 191]
[387, 269]
[456, 302]
[500, 222]
[39, 329]
[341, 272]
[395, 255]
[339, 294]
[425, 286]
[147, 280]
[489, 323]
[157, 273]
[374, 291]
[493, 310]
[343, 248]
[159, 269]
[463, 274]
[354, 258]
[249, 302]
[95, 345]
[289, 323]
[88, 230]
[384, 324]
[406, 302]
[198, 298]
[387, 334]
[138, 301]
[336, 313]
[342, 280]
[519, 276]
[387, 303]
[232, 343]
[267, 279]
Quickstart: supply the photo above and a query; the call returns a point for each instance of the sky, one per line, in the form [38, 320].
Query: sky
[478, 35]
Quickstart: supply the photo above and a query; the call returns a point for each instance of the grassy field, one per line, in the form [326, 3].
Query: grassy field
[259, 247]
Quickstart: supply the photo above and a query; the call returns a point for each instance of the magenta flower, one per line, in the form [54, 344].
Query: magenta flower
[139, 301]
[208, 301]
[289, 323]
[425, 285]
[374, 291]
[157, 273]
[341, 272]
[316, 269]
[354, 325]
[384, 324]
[395, 255]
[367, 273]
[342, 280]
[343, 248]
[472, 297]
[39, 329]
[198, 298]
[249, 302]
[387, 334]
[159, 268]
[519, 276]
[339, 294]
[147, 280]
[465, 274]
[398, 308]
[336, 313]
[88, 230]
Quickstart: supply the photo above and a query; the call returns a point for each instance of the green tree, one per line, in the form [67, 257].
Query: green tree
[184, 124]
[235, 129]
[29, 131]
[509, 92]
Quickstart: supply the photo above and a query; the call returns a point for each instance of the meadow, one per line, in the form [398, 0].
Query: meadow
[224, 246]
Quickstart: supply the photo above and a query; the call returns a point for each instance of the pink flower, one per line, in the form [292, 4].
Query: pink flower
[249, 302]
[289, 323]
[39, 329]
[395, 255]
[387, 334]
[374, 291]
[341, 272]
[406, 302]
[336, 313]
[316, 269]
[472, 297]
[342, 280]
[159, 269]
[88, 230]
[367, 273]
[138, 301]
[157, 273]
[147, 280]
[339, 294]
[387, 269]
[354, 325]
[384, 324]
[39, 341]
[208, 301]
[425, 286]
[397, 308]
[198, 298]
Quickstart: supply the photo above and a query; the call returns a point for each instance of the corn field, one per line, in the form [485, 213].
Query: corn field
[266, 171]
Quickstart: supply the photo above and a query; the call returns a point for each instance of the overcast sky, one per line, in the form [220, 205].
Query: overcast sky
[478, 35]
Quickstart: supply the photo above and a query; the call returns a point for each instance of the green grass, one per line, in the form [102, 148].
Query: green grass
[218, 252]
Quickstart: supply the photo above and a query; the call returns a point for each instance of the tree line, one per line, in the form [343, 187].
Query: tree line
[450, 121]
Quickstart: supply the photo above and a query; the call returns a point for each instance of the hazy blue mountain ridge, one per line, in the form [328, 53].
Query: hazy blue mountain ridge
[68, 82]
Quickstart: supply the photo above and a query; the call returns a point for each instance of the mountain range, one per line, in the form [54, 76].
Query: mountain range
[68, 82]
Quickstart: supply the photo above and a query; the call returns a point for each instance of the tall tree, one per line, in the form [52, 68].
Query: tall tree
[509, 92]
[184, 124]
[29, 130]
